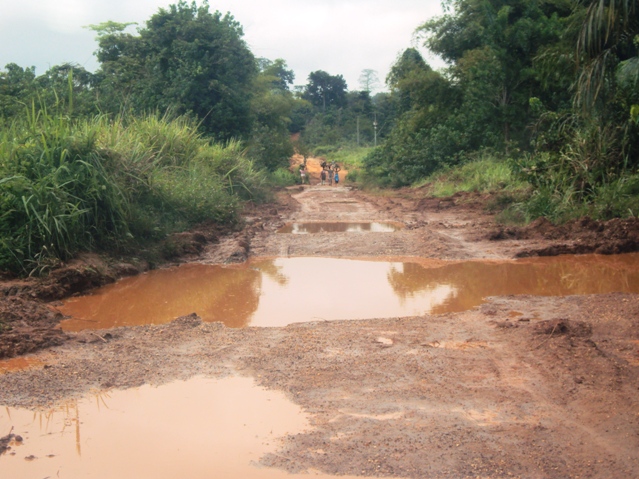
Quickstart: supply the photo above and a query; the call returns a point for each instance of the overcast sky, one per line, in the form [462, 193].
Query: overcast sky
[337, 36]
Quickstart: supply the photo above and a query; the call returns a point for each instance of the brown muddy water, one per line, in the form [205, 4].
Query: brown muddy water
[201, 428]
[324, 227]
[276, 292]
[18, 364]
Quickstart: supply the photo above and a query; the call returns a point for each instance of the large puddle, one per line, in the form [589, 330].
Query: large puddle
[201, 428]
[281, 291]
[327, 227]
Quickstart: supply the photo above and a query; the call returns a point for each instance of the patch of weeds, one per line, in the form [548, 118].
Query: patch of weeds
[169, 249]
[511, 215]
[500, 202]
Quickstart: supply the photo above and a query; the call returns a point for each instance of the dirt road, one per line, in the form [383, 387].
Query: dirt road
[531, 387]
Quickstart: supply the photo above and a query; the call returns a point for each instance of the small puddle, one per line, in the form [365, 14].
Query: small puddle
[201, 428]
[323, 227]
[281, 291]
[18, 364]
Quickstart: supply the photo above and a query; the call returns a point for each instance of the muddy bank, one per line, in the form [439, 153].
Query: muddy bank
[28, 319]
[520, 387]
[451, 228]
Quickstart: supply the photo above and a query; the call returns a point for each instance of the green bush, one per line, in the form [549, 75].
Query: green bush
[106, 184]
[283, 177]
[486, 174]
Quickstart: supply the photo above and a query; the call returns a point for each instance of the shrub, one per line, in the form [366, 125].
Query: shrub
[105, 184]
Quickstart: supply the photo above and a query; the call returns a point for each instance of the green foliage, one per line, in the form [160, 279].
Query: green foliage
[185, 59]
[486, 174]
[350, 156]
[17, 86]
[272, 106]
[57, 193]
[324, 90]
[410, 154]
[282, 177]
[109, 184]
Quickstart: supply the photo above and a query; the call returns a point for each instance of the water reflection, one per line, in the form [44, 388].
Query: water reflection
[559, 276]
[324, 227]
[200, 428]
[281, 291]
[216, 293]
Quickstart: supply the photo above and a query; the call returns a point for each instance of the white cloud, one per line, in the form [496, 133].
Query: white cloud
[338, 36]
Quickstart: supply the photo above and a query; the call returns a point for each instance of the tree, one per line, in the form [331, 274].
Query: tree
[17, 86]
[277, 70]
[368, 80]
[272, 107]
[185, 59]
[491, 46]
[608, 43]
[70, 86]
[325, 91]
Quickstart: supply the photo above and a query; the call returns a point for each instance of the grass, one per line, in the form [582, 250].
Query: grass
[351, 157]
[618, 198]
[484, 175]
[100, 183]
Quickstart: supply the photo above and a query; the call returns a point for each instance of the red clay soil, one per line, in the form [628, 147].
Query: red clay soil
[522, 386]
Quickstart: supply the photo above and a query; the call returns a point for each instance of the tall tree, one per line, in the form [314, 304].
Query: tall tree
[491, 45]
[368, 80]
[189, 60]
[324, 90]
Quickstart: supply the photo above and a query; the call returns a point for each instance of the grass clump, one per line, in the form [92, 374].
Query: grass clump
[99, 183]
[484, 175]
[616, 199]
[283, 177]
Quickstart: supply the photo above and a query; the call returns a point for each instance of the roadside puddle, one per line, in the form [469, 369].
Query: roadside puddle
[277, 292]
[200, 428]
[19, 364]
[336, 227]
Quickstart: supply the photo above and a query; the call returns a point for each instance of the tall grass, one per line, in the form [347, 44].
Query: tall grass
[618, 198]
[484, 175]
[103, 183]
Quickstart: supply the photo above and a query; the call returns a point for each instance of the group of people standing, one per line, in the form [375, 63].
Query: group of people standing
[329, 174]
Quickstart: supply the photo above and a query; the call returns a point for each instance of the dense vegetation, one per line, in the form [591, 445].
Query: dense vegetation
[111, 184]
[179, 126]
[181, 123]
[550, 88]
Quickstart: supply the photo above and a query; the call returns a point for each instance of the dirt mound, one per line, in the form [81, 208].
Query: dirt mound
[563, 326]
[27, 326]
[580, 236]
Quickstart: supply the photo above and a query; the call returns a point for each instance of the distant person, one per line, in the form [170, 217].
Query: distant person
[303, 173]
[329, 175]
[323, 176]
[336, 170]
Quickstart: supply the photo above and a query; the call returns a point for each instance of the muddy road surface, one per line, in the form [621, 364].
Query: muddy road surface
[519, 386]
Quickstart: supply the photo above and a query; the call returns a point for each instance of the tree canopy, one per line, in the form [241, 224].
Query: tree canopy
[186, 59]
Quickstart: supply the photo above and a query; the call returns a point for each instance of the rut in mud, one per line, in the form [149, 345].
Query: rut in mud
[519, 386]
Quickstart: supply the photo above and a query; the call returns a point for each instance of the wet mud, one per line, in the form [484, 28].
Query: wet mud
[319, 227]
[517, 386]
